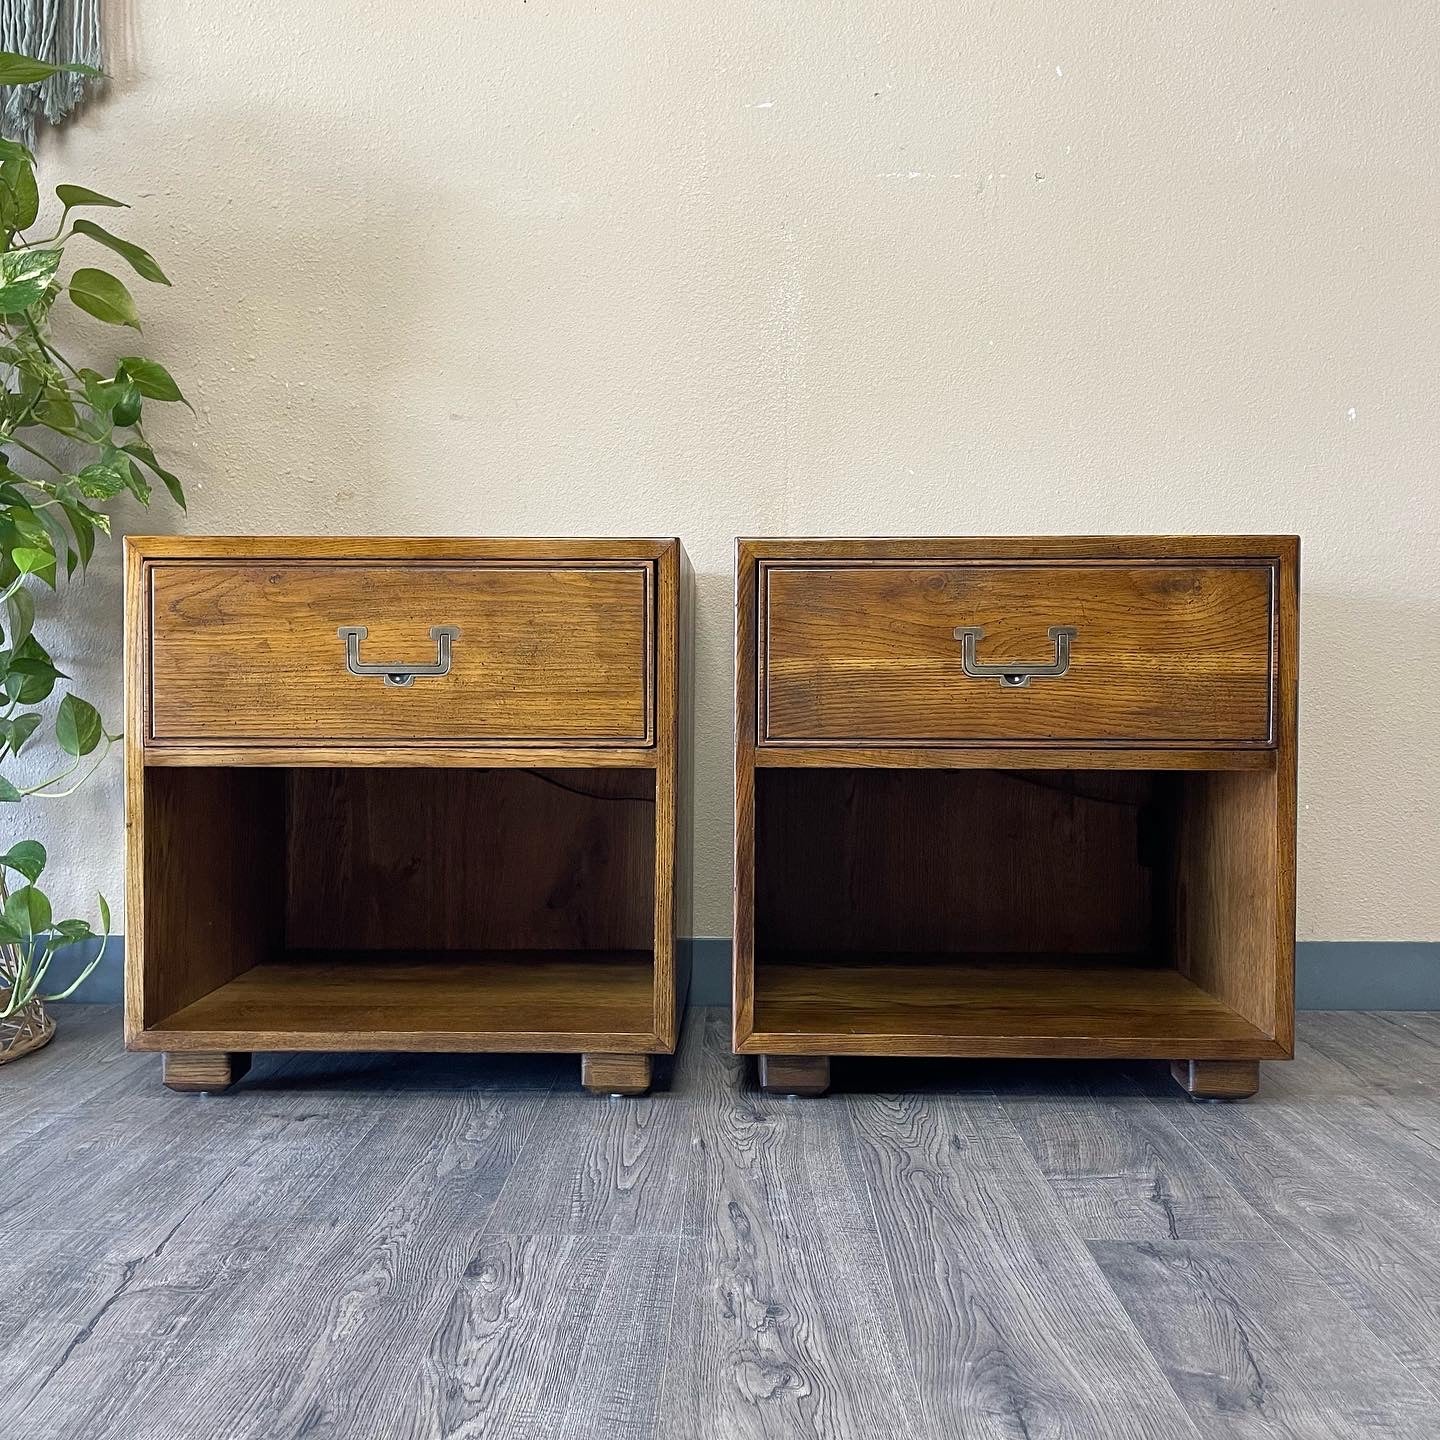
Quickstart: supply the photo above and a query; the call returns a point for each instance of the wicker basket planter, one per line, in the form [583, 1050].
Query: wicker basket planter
[27, 1029]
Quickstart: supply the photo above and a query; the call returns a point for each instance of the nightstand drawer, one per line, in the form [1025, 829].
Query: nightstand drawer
[1129, 652]
[341, 651]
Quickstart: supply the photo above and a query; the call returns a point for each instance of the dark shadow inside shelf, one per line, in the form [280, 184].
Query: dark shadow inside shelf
[391, 903]
[1045, 908]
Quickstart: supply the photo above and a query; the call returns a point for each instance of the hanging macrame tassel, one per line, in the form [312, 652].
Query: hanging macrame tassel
[77, 42]
[58, 32]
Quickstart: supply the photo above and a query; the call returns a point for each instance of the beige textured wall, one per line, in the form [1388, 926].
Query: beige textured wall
[719, 266]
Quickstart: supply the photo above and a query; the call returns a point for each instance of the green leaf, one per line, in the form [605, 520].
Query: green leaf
[73, 930]
[9, 795]
[139, 485]
[56, 412]
[27, 858]
[103, 479]
[127, 404]
[99, 392]
[35, 562]
[30, 674]
[151, 379]
[19, 616]
[83, 521]
[100, 294]
[27, 912]
[17, 731]
[24, 274]
[54, 537]
[22, 70]
[141, 260]
[19, 199]
[14, 150]
[118, 399]
[77, 726]
[146, 455]
[104, 913]
[28, 523]
[73, 196]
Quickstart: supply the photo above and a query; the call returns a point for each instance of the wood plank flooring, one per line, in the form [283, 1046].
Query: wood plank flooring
[424, 1247]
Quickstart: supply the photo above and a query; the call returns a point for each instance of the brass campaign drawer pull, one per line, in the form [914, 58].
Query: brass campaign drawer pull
[397, 673]
[1012, 676]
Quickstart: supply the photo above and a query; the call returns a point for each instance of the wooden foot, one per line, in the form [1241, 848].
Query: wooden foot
[1217, 1079]
[208, 1070]
[795, 1074]
[615, 1074]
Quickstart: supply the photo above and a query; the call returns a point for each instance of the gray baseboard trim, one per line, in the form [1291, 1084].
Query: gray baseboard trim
[709, 972]
[1329, 974]
[106, 985]
[1367, 975]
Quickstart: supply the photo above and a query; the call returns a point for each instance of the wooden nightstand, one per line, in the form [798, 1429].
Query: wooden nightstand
[413, 794]
[1016, 797]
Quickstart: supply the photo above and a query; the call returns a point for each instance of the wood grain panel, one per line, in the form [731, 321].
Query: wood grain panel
[969, 860]
[999, 1005]
[544, 654]
[418, 549]
[1164, 653]
[670, 821]
[403, 754]
[1226, 896]
[970, 757]
[470, 859]
[1020, 548]
[206, 899]
[426, 1000]
[742, 1005]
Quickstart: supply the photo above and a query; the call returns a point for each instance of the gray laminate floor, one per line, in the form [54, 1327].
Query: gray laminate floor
[373, 1247]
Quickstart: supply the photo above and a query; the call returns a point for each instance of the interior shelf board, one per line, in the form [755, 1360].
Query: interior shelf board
[1122, 1007]
[452, 1000]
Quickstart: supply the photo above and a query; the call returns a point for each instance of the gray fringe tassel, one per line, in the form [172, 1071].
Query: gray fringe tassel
[58, 32]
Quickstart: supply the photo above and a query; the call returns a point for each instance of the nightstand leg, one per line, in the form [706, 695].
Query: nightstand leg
[795, 1074]
[1217, 1079]
[207, 1070]
[615, 1074]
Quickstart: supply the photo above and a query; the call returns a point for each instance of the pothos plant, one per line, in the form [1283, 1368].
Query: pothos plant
[72, 440]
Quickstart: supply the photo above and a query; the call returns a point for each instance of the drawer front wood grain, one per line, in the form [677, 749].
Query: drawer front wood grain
[1165, 652]
[548, 654]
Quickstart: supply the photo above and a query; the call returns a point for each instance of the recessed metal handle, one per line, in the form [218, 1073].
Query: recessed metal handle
[398, 673]
[1013, 676]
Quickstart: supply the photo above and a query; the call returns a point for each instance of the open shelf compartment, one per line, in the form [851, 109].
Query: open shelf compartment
[398, 909]
[1119, 913]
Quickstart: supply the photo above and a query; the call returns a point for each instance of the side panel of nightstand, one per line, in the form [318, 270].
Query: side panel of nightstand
[673, 884]
[743, 924]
